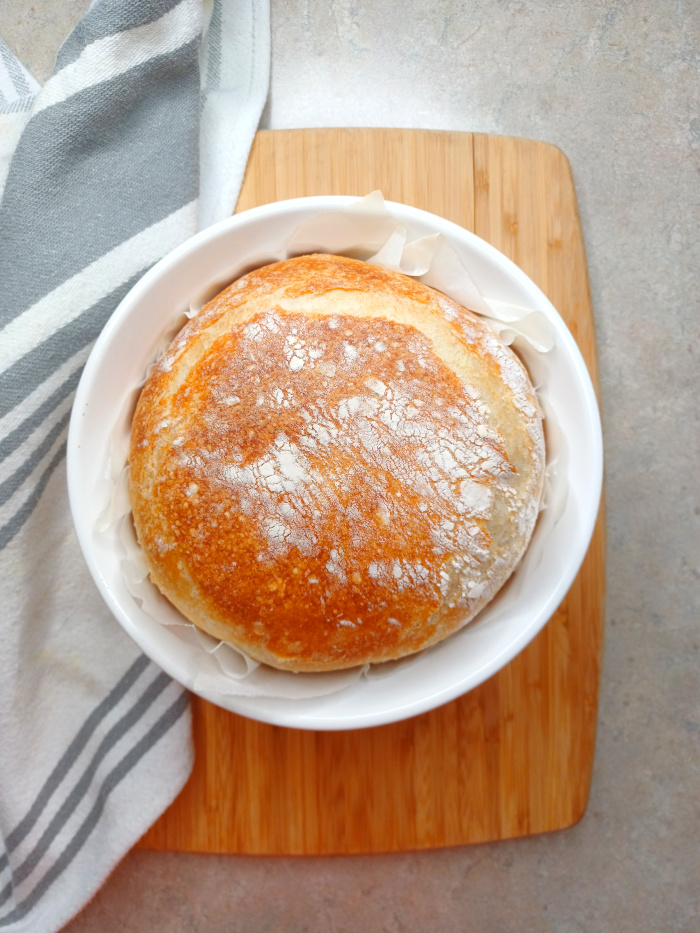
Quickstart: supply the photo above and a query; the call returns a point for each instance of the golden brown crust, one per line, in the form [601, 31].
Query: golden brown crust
[334, 464]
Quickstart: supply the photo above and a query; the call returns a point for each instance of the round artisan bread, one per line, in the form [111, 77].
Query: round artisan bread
[333, 464]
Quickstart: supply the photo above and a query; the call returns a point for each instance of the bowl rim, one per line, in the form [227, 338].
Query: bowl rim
[268, 710]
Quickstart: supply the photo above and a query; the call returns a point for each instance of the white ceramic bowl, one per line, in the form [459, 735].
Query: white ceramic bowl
[116, 369]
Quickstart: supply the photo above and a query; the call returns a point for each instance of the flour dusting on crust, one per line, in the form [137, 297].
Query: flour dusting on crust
[331, 485]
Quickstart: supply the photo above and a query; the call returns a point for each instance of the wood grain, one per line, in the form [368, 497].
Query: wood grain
[514, 756]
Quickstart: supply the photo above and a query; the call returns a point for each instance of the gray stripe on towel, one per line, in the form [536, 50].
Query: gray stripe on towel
[105, 18]
[131, 147]
[82, 737]
[149, 740]
[15, 73]
[213, 73]
[81, 788]
[24, 376]
[13, 440]
[12, 527]
[15, 480]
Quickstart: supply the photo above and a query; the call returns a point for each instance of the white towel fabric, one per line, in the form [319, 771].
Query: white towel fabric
[99, 173]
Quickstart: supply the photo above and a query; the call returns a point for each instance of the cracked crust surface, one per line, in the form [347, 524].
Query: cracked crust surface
[333, 464]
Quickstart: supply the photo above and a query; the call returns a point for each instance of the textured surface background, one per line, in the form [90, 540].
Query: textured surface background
[616, 86]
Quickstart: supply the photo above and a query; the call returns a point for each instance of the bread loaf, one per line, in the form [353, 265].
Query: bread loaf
[334, 464]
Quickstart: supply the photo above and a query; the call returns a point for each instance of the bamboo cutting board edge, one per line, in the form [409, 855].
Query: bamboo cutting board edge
[265, 790]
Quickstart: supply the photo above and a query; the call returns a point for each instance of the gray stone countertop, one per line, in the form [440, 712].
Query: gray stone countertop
[617, 86]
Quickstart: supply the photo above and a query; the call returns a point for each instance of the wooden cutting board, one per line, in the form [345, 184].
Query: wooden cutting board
[514, 756]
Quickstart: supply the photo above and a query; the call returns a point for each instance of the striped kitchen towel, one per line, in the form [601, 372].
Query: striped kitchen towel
[140, 137]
